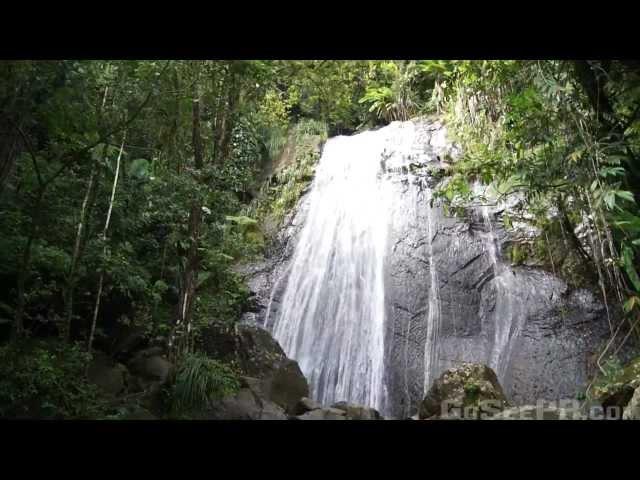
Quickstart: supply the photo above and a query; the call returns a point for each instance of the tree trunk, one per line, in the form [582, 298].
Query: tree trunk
[179, 337]
[25, 266]
[96, 307]
[77, 251]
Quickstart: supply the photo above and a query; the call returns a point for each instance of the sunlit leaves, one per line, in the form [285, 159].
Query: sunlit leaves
[633, 302]
[628, 265]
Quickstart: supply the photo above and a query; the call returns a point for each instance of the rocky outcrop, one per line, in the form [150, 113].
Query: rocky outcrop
[324, 414]
[109, 376]
[272, 376]
[616, 391]
[150, 369]
[340, 411]
[248, 403]
[469, 390]
[357, 412]
[305, 405]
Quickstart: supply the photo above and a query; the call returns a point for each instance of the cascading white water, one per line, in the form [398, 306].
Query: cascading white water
[508, 315]
[433, 313]
[372, 192]
[332, 314]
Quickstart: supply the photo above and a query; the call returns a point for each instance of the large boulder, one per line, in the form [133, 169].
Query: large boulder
[305, 405]
[286, 385]
[127, 340]
[324, 414]
[358, 412]
[150, 368]
[468, 390]
[258, 356]
[615, 391]
[248, 403]
[109, 376]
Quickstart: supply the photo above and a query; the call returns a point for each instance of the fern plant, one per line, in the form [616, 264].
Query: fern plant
[201, 380]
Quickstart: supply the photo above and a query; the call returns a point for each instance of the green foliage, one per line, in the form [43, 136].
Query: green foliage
[243, 237]
[615, 376]
[46, 380]
[281, 191]
[393, 92]
[201, 380]
[531, 128]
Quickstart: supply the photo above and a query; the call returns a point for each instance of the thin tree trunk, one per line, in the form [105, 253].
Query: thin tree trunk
[96, 308]
[179, 337]
[25, 265]
[77, 251]
[22, 278]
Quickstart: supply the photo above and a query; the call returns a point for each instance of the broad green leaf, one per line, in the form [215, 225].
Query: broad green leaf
[631, 302]
[626, 195]
[627, 263]
[611, 171]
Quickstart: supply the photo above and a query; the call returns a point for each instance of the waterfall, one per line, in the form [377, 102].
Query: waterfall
[361, 305]
[508, 315]
[433, 312]
[332, 314]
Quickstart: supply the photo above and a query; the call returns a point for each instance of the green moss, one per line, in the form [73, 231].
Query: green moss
[243, 237]
[472, 391]
[280, 192]
[616, 377]
[518, 253]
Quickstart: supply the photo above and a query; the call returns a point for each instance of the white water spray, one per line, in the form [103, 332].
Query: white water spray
[332, 315]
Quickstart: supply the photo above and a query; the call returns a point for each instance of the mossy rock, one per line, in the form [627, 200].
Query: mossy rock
[469, 386]
[618, 388]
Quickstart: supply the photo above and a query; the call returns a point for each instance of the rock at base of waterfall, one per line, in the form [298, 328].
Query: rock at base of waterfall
[323, 414]
[276, 378]
[618, 399]
[468, 391]
[536, 412]
[632, 410]
[357, 412]
[245, 404]
[305, 405]
[614, 393]
[286, 385]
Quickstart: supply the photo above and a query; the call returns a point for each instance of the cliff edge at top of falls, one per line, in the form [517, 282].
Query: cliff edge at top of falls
[451, 295]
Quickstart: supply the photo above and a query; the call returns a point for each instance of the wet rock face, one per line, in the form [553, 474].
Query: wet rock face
[538, 335]
[267, 279]
[551, 332]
